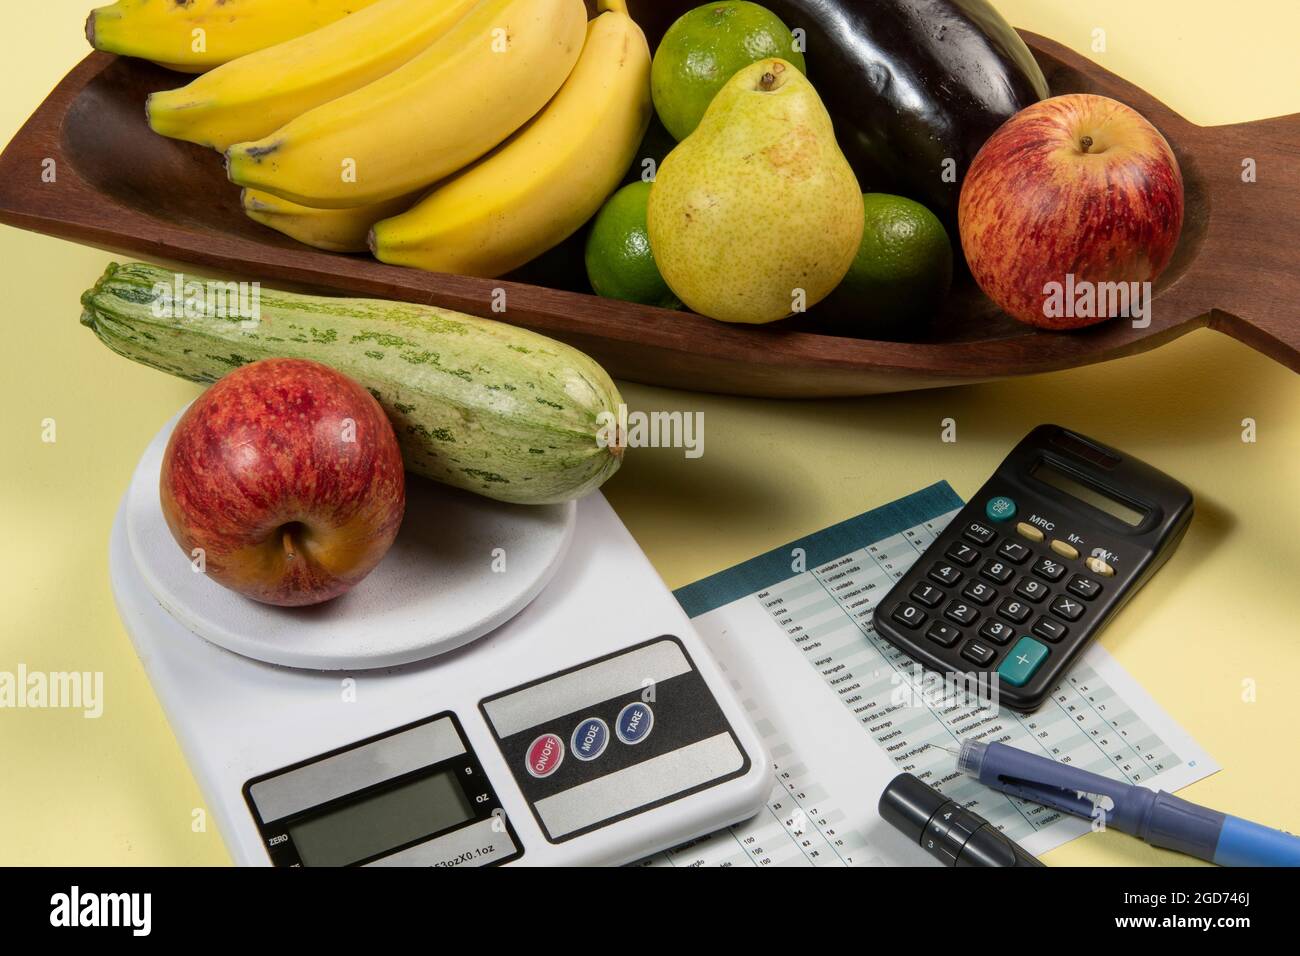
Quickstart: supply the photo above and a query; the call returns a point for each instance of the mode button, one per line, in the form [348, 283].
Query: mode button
[590, 738]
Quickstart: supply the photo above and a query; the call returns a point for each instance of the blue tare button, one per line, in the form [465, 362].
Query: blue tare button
[634, 723]
[1000, 508]
[1020, 664]
[590, 738]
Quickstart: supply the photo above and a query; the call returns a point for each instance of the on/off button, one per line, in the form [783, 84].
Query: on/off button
[545, 754]
[1000, 508]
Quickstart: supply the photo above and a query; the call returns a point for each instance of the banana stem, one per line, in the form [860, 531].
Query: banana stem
[617, 6]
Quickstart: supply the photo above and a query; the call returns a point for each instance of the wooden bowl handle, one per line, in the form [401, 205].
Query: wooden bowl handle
[1250, 262]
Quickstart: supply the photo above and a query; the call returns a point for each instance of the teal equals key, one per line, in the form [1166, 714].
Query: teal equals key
[1020, 664]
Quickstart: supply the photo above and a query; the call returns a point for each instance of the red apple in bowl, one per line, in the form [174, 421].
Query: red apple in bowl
[1070, 210]
[288, 476]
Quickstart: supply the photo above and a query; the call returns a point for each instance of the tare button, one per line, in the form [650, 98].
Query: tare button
[545, 754]
[634, 723]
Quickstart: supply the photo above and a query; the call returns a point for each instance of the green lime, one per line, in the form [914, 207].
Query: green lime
[704, 48]
[901, 274]
[620, 264]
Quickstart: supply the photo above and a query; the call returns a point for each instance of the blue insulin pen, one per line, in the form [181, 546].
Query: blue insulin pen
[1157, 817]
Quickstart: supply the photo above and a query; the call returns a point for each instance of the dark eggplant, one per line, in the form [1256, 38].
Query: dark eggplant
[912, 83]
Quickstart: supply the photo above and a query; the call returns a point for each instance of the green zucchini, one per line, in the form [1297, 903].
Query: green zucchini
[480, 405]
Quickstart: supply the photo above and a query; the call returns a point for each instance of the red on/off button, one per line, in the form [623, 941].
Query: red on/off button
[545, 754]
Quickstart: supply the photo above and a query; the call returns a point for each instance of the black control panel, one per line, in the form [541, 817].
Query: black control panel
[613, 737]
[1036, 564]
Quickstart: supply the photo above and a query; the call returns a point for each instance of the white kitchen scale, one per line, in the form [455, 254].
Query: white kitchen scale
[443, 713]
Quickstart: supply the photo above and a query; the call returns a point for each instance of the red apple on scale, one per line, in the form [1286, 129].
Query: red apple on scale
[288, 476]
[1068, 209]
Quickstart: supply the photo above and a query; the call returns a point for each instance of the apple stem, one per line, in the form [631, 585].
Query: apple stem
[1086, 143]
[289, 549]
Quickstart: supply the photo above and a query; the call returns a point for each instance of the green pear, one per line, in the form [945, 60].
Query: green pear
[757, 213]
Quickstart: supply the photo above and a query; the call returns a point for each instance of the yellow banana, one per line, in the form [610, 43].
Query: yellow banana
[543, 183]
[257, 94]
[335, 230]
[463, 95]
[195, 35]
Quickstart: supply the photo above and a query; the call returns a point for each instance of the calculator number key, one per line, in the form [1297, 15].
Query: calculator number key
[962, 553]
[1013, 551]
[1084, 587]
[1031, 590]
[1050, 630]
[1049, 569]
[961, 612]
[999, 632]
[927, 594]
[943, 634]
[1067, 606]
[978, 533]
[945, 574]
[909, 615]
[998, 571]
[979, 592]
[1013, 610]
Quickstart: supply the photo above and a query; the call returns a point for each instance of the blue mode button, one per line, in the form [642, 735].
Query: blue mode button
[634, 723]
[590, 738]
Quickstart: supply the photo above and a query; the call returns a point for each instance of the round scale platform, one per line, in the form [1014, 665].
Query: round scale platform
[435, 590]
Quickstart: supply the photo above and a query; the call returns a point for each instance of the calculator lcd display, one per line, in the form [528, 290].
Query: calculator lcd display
[382, 822]
[1059, 480]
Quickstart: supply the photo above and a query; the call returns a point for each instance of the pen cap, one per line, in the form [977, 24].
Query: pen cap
[950, 834]
[908, 804]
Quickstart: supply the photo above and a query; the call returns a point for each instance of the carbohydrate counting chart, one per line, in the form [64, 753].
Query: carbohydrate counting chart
[798, 826]
[857, 711]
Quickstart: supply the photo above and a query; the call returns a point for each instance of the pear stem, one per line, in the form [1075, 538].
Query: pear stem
[768, 82]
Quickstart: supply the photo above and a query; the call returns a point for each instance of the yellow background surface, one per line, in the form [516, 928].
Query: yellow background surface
[117, 791]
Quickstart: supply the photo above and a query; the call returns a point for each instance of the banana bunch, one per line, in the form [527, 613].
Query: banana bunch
[466, 136]
[444, 109]
[255, 95]
[542, 184]
[334, 230]
[192, 36]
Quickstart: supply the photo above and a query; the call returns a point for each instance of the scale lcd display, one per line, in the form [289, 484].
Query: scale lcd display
[385, 821]
[1061, 481]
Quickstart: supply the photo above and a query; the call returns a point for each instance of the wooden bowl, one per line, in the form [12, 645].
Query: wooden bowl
[123, 188]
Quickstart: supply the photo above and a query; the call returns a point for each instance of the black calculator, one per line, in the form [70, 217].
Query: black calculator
[1036, 564]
